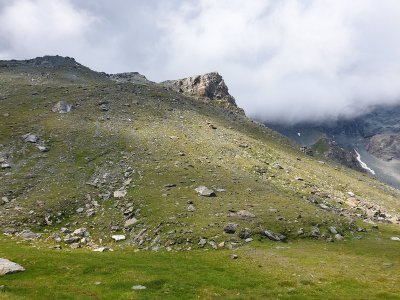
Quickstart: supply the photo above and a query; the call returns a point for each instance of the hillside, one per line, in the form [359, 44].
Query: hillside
[91, 160]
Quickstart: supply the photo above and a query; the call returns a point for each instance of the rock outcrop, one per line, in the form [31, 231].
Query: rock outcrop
[210, 86]
[385, 146]
[132, 77]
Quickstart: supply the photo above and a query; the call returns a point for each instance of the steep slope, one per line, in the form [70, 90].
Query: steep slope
[127, 158]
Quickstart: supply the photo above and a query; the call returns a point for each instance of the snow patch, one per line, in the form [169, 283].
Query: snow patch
[363, 164]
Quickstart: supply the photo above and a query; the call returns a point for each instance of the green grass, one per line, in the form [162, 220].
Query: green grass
[362, 269]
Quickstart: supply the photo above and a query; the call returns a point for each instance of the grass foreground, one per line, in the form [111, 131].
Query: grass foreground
[304, 269]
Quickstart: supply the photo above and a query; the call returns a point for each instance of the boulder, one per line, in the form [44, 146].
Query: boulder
[245, 214]
[118, 237]
[230, 228]
[61, 107]
[120, 193]
[273, 236]
[9, 267]
[28, 235]
[30, 138]
[205, 191]
[130, 222]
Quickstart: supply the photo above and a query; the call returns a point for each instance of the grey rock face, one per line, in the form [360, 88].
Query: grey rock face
[9, 267]
[385, 146]
[61, 107]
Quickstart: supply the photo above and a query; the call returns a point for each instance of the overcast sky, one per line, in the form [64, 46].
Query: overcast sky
[283, 60]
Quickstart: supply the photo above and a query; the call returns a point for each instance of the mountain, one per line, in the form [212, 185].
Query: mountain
[372, 138]
[97, 161]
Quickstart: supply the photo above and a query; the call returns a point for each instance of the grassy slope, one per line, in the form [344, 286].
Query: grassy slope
[140, 133]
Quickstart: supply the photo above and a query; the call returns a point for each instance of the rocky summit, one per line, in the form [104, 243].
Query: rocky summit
[115, 178]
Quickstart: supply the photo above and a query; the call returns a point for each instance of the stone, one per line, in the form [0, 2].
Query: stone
[395, 238]
[118, 237]
[30, 138]
[245, 233]
[273, 236]
[5, 166]
[75, 245]
[70, 239]
[130, 222]
[191, 208]
[205, 191]
[170, 185]
[202, 242]
[82, 232]
[248, 240]
[351, 194]
[80, 210]
[120, 193]
[102, 249]
[300, 231]
[9, 267]
[43, 148]
[338, 237]
[245, 214]
[138, 287]
[315, 232]
[230, 228]
[61, 107]
[104, 107]
[333, 230]
[28, 235]
[234, 256]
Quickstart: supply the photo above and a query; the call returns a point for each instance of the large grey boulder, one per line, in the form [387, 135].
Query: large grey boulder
[62, 107]
[9, 267]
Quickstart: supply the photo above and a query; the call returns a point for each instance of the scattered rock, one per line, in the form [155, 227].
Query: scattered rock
[28, 235]
[191, 208]
[130, 222]
[120, 193]
[338, 237]
[31, 138]
[5, 166]
[205, 191]
[118, 237]
[333, 230]
[104, 107]
[245, 214]
[9, 267]
[80, 210]
[138, 287]
[43, 148]
[273, 236]
[230, 228]
[70, 239]
[103, 249]
[234, 256]
[61, 107]
[315, 232]
[351, 194]
[202, 242]
[395, 238]
[245, 233]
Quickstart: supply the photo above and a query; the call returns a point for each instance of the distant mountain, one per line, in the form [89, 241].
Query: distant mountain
[375, 136]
